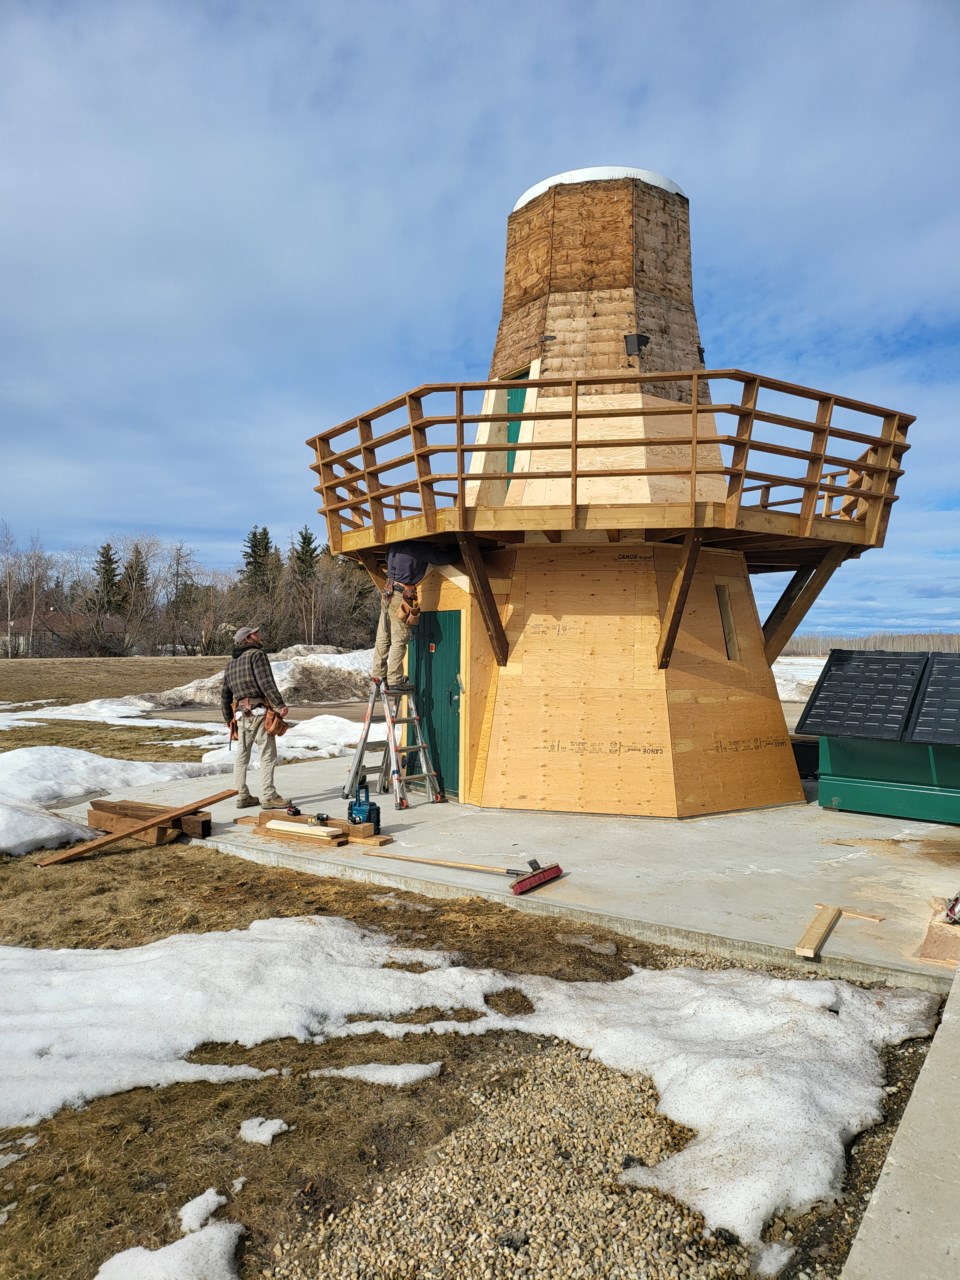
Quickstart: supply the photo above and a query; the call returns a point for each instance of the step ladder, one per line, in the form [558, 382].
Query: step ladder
[392, 768]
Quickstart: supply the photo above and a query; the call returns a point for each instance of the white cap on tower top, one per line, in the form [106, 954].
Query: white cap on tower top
[598, 174]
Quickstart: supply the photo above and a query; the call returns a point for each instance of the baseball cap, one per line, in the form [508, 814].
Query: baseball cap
[245, 633]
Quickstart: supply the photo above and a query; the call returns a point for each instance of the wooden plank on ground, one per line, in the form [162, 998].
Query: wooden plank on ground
[817, 932]
[313, 830]
[92, 846]
[349, 833]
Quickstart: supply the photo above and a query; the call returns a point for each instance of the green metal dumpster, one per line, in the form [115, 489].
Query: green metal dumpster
[889, 729]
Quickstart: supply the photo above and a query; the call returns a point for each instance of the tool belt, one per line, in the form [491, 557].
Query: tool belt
[408, 610]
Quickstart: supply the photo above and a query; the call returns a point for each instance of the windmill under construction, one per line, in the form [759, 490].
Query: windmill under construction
[600, 650]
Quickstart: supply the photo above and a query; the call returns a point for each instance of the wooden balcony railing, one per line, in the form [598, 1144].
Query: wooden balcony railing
[591, 453]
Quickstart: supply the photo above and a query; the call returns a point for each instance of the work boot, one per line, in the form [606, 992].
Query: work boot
[247, 802]
[400, 686]
[275, 802]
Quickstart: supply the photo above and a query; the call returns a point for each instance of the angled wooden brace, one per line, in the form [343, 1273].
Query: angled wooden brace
[477, 573]
[799, 596]
[678, 598]
[369, 560]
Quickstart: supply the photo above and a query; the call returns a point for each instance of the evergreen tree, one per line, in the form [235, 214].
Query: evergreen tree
[260, 559]
[304, 556]
[304, 568]
[107, 586]
[132, 587]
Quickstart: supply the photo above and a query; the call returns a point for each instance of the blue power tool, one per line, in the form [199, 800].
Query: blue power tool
[362, 809]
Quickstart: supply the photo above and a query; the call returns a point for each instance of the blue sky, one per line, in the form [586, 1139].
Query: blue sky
[227, 226]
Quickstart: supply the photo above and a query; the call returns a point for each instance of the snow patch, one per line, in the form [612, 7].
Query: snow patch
[207, 1254]
[196, 1213]
[796, 677]
[24, 827]
[262, 1131]
[398, 1074]
[48, 775]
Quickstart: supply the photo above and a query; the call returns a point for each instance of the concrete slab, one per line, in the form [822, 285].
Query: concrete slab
[911, 1227]
[743, 885]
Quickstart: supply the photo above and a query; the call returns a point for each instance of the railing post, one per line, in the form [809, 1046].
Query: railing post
[574, 392]
[461, 479]
[368, 456]
[877, 485]
[418, 437]
[741, 450]
[820, 434]
[694, 428]
[328, 494]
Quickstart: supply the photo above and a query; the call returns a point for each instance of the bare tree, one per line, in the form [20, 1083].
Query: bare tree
[37, 567]
[10, 570]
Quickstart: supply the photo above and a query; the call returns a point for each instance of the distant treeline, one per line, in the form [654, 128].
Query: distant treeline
[912, 642]
[138, 595]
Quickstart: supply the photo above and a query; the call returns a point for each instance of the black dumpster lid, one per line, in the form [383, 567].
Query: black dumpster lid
[936, 712]
[864, 694]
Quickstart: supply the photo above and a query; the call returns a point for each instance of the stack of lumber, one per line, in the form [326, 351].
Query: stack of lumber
[119, 816]
[332, 833]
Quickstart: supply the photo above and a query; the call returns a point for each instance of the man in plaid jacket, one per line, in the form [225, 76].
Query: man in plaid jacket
[248, 685]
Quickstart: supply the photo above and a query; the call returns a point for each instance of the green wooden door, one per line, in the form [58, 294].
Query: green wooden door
[515, 399]
[435, 670]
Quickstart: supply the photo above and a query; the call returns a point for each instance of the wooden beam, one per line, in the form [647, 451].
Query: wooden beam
[477, 573]
[823, 924]
[161, 819]
[791, 593]
[817, 932]
[678, 597]
[787, 615]
[371, 562]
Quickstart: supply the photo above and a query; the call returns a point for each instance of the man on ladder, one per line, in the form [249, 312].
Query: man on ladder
[407, 566]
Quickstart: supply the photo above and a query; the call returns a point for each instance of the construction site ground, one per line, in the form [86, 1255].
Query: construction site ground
[743, 886]
[737, 888]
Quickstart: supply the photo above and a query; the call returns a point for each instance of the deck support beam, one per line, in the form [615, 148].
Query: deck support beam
[480, 581]
[370, 561]
[678, 597]
[798, 598]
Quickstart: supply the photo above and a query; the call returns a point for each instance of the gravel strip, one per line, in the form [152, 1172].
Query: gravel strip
[528, 1189]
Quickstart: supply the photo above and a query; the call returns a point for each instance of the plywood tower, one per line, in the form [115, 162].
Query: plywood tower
[610, 509]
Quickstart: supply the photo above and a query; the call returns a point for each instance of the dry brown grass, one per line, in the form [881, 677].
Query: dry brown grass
[138, 741]
[80, 679]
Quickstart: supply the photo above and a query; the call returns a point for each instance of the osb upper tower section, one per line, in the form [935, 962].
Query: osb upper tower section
[588, 262]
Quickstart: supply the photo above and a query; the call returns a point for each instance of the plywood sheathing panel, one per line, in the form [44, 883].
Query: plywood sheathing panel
[729, 738]
[582, 720]
[525, 490]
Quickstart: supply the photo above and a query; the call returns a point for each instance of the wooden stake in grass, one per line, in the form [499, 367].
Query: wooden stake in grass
[161, 819]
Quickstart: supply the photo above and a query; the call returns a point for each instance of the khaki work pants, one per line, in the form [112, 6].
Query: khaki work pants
[250, 730]
[392, 639]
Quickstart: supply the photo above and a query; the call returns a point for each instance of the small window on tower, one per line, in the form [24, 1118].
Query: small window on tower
[726, 620]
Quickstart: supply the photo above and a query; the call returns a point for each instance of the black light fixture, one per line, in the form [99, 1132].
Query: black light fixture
[635, 342]
[701, 353]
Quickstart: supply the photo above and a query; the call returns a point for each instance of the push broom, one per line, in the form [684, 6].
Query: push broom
[523, 881]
